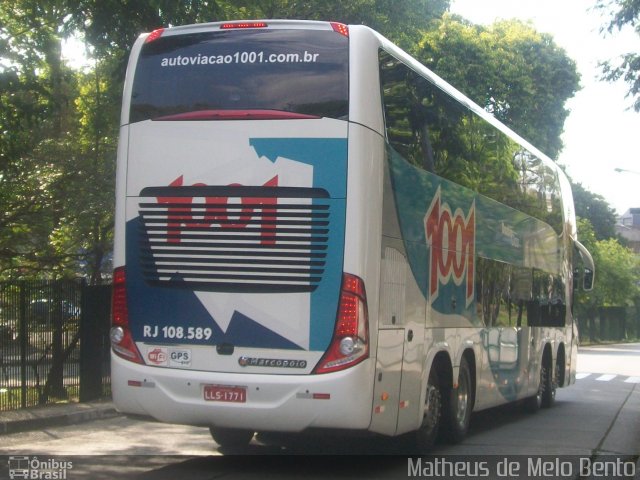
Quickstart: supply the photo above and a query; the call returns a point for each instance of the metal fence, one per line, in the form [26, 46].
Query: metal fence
[53, 338]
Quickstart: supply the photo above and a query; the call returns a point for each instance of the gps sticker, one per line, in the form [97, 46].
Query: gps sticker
[180, 358]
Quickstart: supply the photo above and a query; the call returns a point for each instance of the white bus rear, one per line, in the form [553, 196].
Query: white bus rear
[232, 306]
[293, 252]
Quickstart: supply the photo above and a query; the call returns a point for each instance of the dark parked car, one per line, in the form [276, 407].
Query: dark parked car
[43, 310]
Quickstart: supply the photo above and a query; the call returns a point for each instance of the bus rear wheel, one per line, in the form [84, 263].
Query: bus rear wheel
[546, 394]
[231, 437]
[533, 404]
[426, 435]
[550, 385]
[457, 411]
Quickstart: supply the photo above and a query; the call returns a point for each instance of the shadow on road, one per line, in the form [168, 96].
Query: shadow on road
[281, 467]
[323, 455]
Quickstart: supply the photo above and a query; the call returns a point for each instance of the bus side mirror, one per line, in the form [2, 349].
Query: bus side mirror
[587, 281]
[588, 273]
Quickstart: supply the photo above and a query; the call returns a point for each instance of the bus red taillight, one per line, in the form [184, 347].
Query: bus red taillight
[233, 26]
[340, 28]
[153, 36]
[350, 343]
[121, 339]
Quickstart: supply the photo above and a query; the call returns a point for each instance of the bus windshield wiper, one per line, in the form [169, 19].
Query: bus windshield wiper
[204, 115]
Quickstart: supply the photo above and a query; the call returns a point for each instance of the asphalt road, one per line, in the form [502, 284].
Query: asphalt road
[598, 416]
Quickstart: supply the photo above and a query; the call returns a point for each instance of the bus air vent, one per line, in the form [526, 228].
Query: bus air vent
[235, 238]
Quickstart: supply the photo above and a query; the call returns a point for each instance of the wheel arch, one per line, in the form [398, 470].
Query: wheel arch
[443, 365]
[469, 355]
[561, 365]
[441, 361]
[547, 354]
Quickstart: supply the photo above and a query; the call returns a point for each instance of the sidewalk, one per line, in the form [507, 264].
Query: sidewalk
[37, 418]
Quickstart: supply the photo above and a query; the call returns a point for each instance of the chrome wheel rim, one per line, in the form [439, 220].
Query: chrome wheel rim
[463, 402]
[543, 379]
[432, 406]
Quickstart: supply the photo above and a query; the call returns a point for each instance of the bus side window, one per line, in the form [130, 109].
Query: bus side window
[548, 307]
[406, 117]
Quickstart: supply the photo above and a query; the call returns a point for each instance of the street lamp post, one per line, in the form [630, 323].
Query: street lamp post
[620, 170]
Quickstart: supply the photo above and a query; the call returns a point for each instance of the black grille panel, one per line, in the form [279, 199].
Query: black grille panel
[240, 239]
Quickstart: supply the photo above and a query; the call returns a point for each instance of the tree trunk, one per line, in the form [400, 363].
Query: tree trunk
[53, 58]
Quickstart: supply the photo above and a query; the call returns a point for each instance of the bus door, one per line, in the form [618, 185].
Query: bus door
[400, 347]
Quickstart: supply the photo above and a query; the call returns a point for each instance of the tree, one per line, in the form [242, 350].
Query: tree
[594, 208]
[514, 72]
[58, 154]
[624, 13]
[402, 22]
[57, 150]
[585, 303]
[617, 274]
[617, 268]
[34, 105]
[111, 26]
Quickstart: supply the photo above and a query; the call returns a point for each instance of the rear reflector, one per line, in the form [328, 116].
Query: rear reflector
[143, 384]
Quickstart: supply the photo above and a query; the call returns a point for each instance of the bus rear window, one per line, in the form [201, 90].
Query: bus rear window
[302, 72]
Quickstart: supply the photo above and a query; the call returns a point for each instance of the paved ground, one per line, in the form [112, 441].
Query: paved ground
[598, 416]
[38, 418]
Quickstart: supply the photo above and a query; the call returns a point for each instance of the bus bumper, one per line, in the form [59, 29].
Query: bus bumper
[287, 403]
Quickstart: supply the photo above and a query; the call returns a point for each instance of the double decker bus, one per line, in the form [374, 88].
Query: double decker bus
[314, 231]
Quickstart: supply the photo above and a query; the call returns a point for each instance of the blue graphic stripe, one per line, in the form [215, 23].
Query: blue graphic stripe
[177, 305]
[328, 156]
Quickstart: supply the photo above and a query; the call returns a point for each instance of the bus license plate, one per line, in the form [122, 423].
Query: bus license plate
[224, 393]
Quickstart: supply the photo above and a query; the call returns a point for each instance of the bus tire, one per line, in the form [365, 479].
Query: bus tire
[533, 404]
[231, 437]
[425, 436]
[549, 382]
[457, 410]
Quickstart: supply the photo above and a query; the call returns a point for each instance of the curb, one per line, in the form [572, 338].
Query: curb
[54, 416]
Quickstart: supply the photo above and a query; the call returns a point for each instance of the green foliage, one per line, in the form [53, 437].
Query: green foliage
[56, 153]
[618, 270]
[616, 276]
[59, 127]
[595, 208]
[514, 72]
[111, 26]
[623, 13]
[401, 22]
[585, 302]
[26, 217]
[32, 108]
